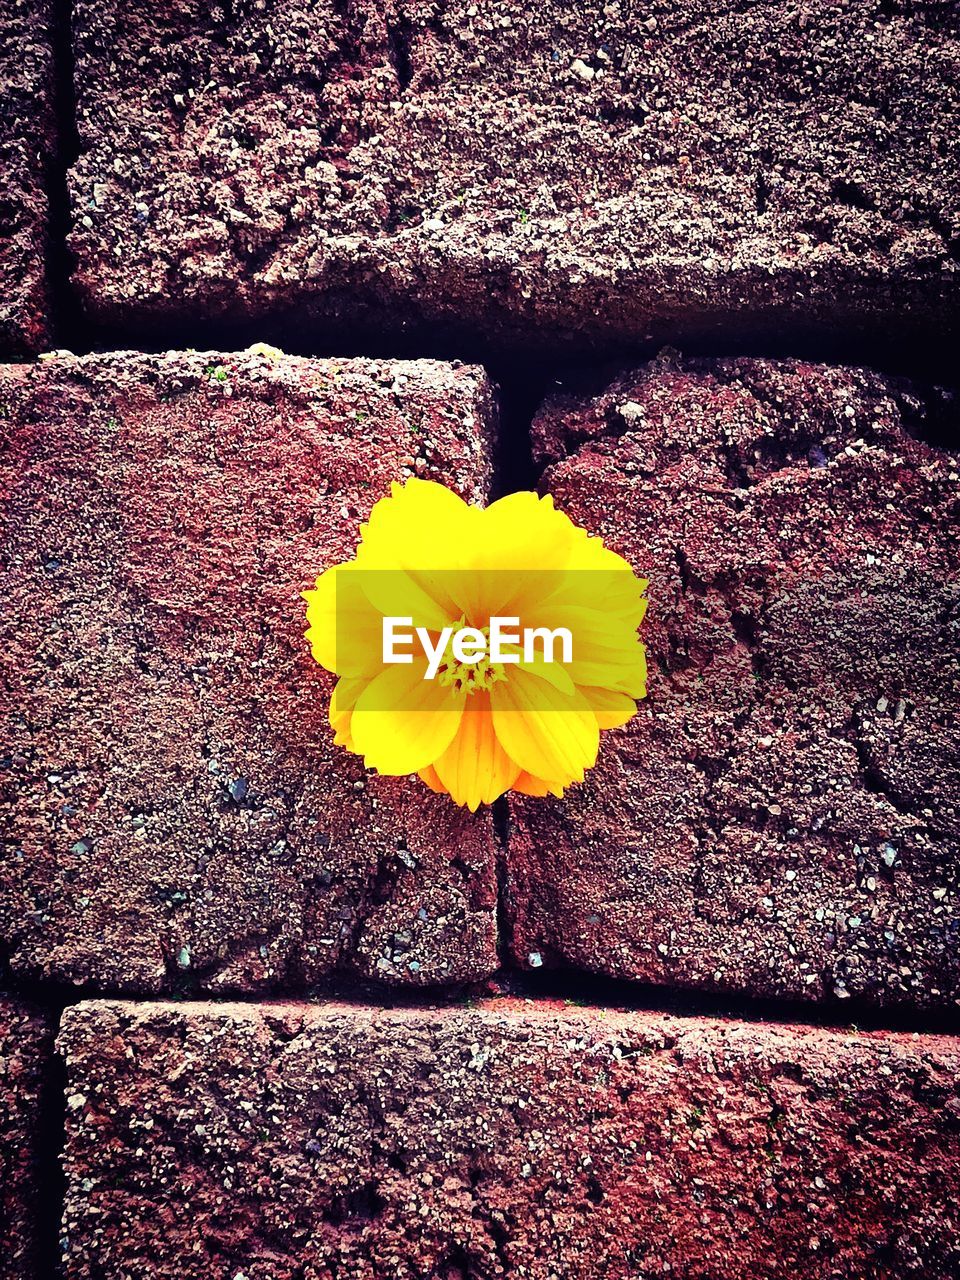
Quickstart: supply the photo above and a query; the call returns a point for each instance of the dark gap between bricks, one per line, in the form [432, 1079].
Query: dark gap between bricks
[558, 986]
[67, 321]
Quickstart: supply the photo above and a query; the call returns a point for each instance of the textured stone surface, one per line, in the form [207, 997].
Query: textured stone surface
[26, 147]
[541, 170]
[25, 1048]
[781, 818]
[510, 1140]
[174, 809]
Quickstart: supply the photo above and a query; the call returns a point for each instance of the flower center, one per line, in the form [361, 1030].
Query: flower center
[470, 677]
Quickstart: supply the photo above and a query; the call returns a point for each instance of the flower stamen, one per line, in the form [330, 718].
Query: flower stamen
[471, 677]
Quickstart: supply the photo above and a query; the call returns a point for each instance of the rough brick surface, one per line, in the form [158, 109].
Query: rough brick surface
[536, 170]
[173, 805]
[781, 818]
[547, 1142]
[25, 1048]
[26, 147]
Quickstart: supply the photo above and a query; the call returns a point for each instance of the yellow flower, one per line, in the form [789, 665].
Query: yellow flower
[483, 649]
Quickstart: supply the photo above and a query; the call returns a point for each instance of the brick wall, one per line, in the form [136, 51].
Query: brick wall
[265, 1015]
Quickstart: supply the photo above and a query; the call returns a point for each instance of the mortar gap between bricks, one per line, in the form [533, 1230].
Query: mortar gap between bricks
[501, 828]
[523, 380]
[550, 987]
[67, 322]
[48, 1129]
[578, 987]
[50, 1142]
[517, 360]
[44, 993]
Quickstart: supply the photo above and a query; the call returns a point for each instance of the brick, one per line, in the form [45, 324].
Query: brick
[510, 1139]
[178, 815]
[781, 818]
[27, 147]
[26, 1046]
[551, 173]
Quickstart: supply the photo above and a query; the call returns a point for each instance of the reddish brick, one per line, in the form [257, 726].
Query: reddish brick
[26, 1045]
[27, 145]
[550, 171]
[177, 810]
[217, 1141]
[781, 818]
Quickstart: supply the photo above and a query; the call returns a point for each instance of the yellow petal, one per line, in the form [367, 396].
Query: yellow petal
[529, 555]
[634, 682]
[402, 529]
[475, 769]
[554, 673]
[425, 554]
[401, 723]
[398, 593]
[528, 785]
[342, 701]
[607, 651]
[411, 548]
[522, 545]
[429, 776]
[343, 628]
[322, 618]
[629, 678]
[599, 633]
[547, 733]
[522, 532]
[611, 708]
[590, 554]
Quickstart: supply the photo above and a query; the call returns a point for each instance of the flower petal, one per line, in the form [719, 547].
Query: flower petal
[547, 733]
[342, 701]
[554, 673]
[607, 652]
[590, 554]
[322, 618]
[401, 723]
[427, 555]
[611, 708]
[528, 785]
[429, 776]
[626, 678]
[521, 548]
[412, 569]
[523, 531]
[343, 628]
[396, 593]
[475, 769]
[600, 633]
[402, 530]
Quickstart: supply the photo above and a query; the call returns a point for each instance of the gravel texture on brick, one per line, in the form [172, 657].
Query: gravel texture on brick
[175, 811]
[551, 171]
[781, 818]
[207, 1142]
[27, 145]
[26, 1045]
